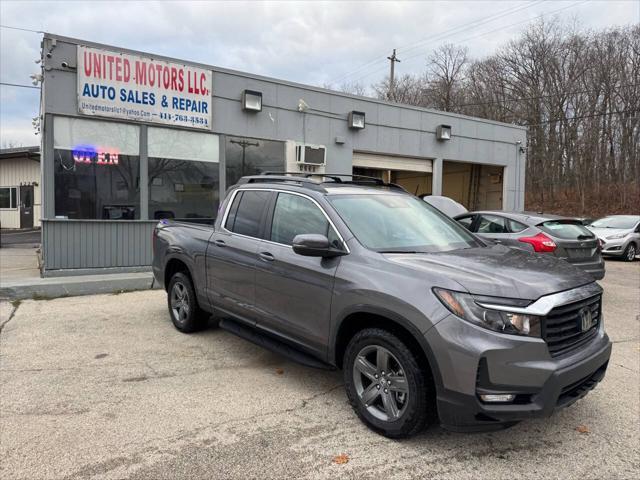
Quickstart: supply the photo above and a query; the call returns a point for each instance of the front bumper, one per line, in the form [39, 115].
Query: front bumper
[473, 360]
[614, 248]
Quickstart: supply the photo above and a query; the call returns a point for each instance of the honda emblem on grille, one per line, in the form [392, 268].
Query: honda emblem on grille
[586, 319]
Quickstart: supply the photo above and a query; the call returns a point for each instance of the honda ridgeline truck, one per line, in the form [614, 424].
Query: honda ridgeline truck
[428, 322]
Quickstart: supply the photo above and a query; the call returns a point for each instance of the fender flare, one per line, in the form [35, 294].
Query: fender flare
[394, 317]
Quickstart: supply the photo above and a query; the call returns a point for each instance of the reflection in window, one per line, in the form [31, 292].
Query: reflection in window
[93, 190]
[492, 224]
[295, 215]
[251, 156]
[96, 169]
[183, 174]
[182, 189]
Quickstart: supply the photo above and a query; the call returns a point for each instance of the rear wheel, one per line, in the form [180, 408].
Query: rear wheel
[185, 313]
[630, 253]
[385, 384]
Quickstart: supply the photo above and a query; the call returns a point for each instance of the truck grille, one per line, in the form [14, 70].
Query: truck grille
[563, 325]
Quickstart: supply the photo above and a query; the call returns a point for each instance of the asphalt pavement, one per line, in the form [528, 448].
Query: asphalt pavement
[104, 387]
[19, 238]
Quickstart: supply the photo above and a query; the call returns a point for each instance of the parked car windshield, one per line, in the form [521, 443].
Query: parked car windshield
[566, 229]
[400, 223]
[625, 222]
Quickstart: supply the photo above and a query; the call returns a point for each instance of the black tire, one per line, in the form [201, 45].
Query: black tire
[418, 408]
[630, 253]
[186, 314]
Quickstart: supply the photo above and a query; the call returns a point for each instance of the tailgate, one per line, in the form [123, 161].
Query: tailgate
[575, 242]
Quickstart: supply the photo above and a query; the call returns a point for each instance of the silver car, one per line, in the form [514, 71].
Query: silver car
[620, 235]
[562, 237]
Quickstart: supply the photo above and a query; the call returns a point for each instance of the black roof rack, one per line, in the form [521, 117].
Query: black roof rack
[307, 179]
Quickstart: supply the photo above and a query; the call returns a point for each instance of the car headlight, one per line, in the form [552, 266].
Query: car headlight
[464, 306]
[617, 236]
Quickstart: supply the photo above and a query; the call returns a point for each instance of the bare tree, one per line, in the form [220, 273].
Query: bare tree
[577, 92]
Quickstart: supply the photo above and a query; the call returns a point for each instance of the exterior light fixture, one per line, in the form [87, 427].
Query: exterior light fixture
[252, 101]
[356, 120]
[443, 132]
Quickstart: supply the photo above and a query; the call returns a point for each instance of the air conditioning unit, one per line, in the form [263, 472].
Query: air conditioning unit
[311, 155]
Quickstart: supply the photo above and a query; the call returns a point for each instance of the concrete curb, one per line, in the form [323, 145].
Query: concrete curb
[56, 287]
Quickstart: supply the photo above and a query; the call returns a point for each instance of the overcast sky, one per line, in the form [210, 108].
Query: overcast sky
[309, 42]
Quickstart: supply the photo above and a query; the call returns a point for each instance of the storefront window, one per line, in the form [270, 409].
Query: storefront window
[183, 174]
[97, 169]
[251, 156]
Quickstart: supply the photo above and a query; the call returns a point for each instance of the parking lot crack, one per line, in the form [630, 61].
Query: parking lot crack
[14, 308]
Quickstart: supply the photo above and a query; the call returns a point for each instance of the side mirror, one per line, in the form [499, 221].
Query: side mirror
[314, 245]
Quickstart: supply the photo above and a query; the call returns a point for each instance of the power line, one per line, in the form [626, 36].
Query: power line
[480, 22]
[21, 29]
[488, 32]
[512, 25]
[445, 34]
[18, 85]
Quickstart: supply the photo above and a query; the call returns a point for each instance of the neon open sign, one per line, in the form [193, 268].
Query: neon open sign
[91, 154]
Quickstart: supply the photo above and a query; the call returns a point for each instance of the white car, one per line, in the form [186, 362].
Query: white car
[446, 205]
[620, 234]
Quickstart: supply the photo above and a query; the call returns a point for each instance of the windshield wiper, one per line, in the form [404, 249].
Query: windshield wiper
[399, 251]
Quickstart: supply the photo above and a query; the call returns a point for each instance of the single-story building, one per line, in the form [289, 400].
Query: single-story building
[130, 137]
[20, 187]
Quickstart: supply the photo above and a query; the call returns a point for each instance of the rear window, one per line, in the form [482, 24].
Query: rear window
[566, 229]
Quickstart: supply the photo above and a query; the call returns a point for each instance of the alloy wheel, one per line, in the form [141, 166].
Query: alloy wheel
[631, 253]
[380, 383]
[179, 302]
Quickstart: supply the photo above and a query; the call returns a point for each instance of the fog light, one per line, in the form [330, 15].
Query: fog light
[498, 398]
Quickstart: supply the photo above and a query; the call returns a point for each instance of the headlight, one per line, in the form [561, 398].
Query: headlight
[617, 236]
[464, 306]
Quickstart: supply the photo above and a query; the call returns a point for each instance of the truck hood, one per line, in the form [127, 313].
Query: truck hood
[496, 271]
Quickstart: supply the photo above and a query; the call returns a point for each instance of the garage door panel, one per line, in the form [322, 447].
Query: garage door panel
[389, 162]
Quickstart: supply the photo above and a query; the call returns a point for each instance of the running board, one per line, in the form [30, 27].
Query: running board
[270, 343]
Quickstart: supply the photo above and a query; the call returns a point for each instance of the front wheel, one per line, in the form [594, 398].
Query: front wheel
[630, 253]
[185, 313]
[386, 386]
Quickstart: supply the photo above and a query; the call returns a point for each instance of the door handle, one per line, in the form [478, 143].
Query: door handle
[220, 243]
[267, 257]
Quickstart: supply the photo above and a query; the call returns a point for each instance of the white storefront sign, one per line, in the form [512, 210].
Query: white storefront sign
[133, 87]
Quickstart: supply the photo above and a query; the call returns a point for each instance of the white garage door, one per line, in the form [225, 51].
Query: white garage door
[389, 162]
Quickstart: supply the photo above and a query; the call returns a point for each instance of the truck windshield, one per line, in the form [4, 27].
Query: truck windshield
[400, 223]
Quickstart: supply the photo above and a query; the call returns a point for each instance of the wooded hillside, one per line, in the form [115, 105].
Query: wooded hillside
[578, 93]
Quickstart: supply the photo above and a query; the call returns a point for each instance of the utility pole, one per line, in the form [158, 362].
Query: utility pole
[392, 59]
[244, 144]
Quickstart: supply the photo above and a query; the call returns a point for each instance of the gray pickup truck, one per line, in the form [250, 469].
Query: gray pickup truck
[427, 321]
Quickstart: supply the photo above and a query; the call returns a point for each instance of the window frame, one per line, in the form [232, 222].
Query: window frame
[268, 218]
[472, 216]
[501, 217]
[272, 210]
[16, 206]
[510, 221]
[263, 220]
